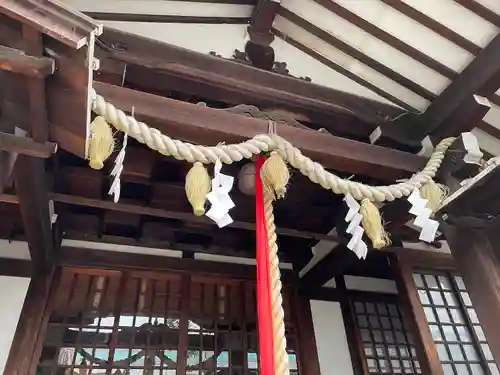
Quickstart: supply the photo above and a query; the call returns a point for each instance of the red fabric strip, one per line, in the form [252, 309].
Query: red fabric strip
[266, 341]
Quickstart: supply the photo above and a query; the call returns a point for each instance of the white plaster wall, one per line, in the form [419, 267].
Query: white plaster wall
[13, 292]
[370, 284]
[331, 339]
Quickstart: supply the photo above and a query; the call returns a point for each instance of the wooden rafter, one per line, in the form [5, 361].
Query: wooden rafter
[206, 126]
[459, 108]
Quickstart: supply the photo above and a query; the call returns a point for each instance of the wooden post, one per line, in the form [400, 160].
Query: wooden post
[308, 351]
[426, 350]
[30, 327]
[476, 255]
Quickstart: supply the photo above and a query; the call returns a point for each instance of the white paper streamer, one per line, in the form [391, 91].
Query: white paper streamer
[117, 171]
[219, 198]
[428, 227]
[353, 217]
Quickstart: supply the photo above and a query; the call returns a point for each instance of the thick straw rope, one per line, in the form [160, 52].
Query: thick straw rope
[265, 142]
[278, 315]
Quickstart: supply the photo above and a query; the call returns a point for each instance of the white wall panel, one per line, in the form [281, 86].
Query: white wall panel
[13, 292]
[370, 284]
[331, 339]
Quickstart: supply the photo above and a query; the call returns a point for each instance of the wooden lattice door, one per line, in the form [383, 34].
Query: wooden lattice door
[135, 323]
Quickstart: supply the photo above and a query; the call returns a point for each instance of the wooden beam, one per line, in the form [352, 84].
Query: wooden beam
[160, 212]
[72, 256]
[481, 77]
[204, 125]
[149, 53]
[31, 188]
[26, 146]
[15, 61]
[187, 217]
[15, 267]
[458, 101]
[463, 119]
[332, 265]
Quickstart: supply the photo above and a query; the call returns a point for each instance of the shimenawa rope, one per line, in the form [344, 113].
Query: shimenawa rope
[227, 154]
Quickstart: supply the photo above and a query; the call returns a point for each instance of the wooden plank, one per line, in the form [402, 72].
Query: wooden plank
[204, 125]
[26, 146]
[31, 188]
[15, 61]
[426, 351]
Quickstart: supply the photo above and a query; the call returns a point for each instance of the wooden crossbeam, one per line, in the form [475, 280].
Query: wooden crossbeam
[26, 146]
[15, 61]
[203, 125]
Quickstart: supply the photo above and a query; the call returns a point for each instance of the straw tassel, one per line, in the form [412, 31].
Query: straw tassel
[101, 143]
[372, 224]
[435, 194]
[197, 187]
[275, 175]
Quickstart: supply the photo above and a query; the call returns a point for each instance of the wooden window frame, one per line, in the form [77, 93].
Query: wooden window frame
[40, 297]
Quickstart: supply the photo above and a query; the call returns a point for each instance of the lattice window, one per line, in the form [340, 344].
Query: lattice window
[388, 345]
[457, 333]
[139, 323]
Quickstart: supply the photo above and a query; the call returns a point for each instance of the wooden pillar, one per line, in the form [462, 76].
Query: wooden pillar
[476, 255]
[24, 351]
[308, 351]
[426, 350]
